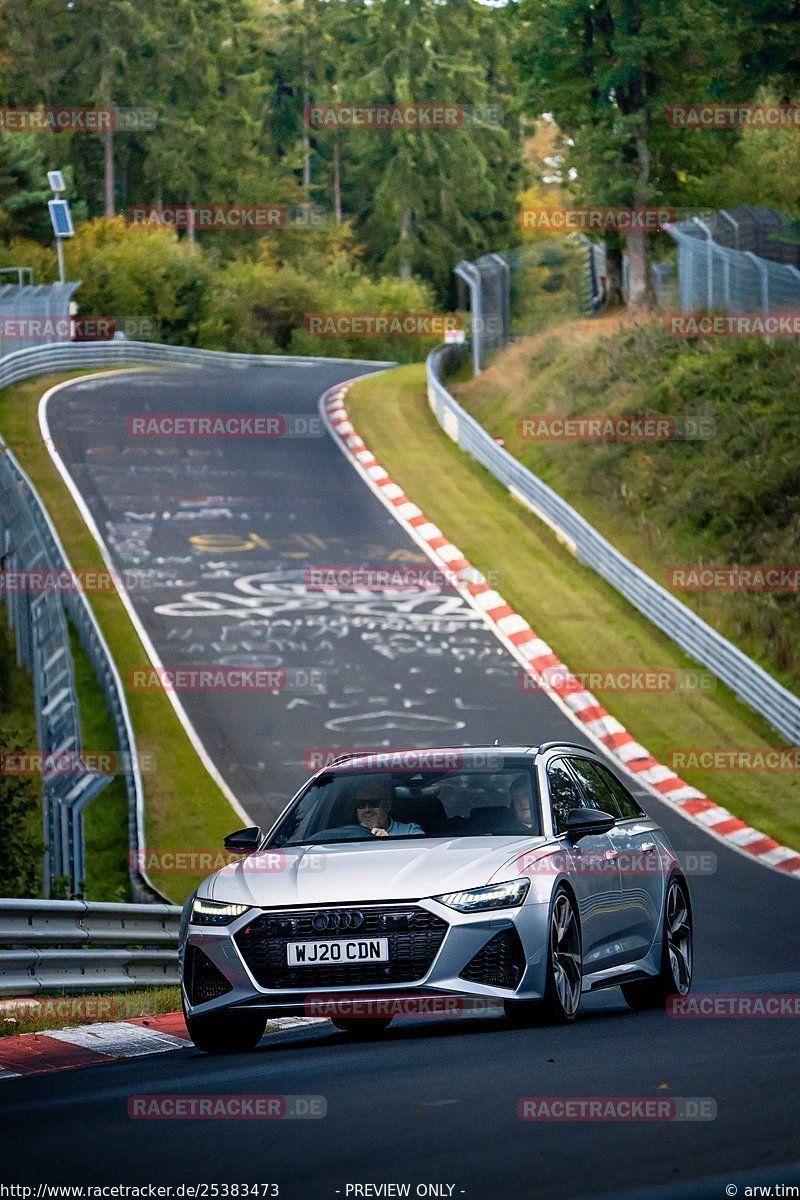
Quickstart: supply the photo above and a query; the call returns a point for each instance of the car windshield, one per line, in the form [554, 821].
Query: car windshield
[373, 805]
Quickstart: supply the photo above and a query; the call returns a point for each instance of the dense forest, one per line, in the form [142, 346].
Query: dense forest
[213, 102]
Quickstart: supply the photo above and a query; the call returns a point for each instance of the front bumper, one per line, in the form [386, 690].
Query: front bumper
[433, 951]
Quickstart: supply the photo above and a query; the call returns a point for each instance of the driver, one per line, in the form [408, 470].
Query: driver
[374, 807]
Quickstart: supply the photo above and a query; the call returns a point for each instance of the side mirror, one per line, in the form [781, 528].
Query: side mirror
[244, 841]
[582, 821]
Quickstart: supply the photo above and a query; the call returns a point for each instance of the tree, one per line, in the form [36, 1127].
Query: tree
[424, 199]
[607, 71]
[23, 185]
[84, 54]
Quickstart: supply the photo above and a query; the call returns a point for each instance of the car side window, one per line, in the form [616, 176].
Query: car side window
[625, 802]
[564, 792]
[599, 794]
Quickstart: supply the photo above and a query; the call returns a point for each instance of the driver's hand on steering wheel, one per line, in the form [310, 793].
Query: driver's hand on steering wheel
[376, 831]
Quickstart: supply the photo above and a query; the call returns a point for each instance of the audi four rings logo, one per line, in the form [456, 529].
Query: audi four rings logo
[338, 920]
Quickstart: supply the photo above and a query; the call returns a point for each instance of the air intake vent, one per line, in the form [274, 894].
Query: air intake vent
[203, 981]
[500, 963]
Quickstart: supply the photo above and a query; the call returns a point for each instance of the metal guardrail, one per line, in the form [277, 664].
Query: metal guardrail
[746, 679]
[28, 540]
[74, 946]
[79, 356]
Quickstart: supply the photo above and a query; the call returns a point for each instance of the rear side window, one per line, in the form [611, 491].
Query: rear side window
[625, 802]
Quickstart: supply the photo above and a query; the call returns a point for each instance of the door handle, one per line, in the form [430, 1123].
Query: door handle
[647, 847]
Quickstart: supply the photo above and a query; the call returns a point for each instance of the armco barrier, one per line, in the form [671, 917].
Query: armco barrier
[74, 946]
[83, 356]
[750, 682]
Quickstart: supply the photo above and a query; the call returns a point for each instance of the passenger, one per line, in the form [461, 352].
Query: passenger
[374, 808]
[521, 800]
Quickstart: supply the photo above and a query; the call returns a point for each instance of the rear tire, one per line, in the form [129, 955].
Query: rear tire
[675, 976]
[226, 1032]
[564, 976]
[364, 1028]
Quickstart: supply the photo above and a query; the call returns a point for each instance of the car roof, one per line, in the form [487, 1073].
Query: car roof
[437, 756]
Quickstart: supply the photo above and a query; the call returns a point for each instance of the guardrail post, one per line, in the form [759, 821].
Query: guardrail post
[471, 276]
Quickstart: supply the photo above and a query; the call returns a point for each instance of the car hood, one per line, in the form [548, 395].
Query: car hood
[363, 871]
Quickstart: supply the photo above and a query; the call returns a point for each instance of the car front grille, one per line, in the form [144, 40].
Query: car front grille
[203, 980]
[500, 963]
[414, 935]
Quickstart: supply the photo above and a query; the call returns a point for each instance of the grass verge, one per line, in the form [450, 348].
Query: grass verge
[586, 622]
[62, 1011]
[727, 499]
[21, 844]
[184, 808]
[105, 821]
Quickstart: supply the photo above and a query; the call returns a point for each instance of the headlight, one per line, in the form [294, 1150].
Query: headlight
[215, 912]
[497, 895]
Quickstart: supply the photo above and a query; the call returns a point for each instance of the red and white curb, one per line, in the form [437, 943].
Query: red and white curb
[583, 709]
[108, 1041]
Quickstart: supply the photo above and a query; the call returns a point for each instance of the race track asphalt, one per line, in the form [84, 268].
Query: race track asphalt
[433, 1101]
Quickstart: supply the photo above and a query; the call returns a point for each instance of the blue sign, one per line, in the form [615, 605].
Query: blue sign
[61, 218]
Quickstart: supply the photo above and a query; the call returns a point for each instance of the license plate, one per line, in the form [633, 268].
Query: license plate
[338, 950]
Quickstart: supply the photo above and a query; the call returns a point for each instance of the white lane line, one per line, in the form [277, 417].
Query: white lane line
[296, 1022]
[171, 694]
[119, 1039]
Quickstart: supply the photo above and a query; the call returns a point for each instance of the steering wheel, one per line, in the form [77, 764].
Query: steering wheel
[342, 833]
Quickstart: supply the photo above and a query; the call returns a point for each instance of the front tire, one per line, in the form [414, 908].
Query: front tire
[564, 977]
[675, 976]
[226, 1032]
